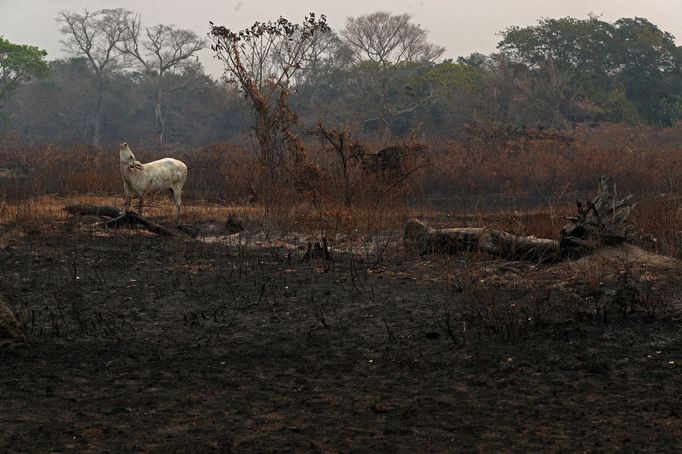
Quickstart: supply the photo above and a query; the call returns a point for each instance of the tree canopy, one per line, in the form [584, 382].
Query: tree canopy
[18, 65]
[380, 75]
[601, 61]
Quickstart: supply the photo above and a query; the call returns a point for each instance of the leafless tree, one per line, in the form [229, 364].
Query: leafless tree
[160, 50]
[323, 57]
[95, 35]
[381, 45]
[384, 38]
[263, 61]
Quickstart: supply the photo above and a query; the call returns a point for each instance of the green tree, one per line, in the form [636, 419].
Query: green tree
[583, 45]
[580, 69]
[503, 81]
[18, 65]
[648, 61]
[454, 91]
[567, 59]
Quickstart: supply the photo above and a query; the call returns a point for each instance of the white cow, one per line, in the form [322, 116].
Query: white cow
[156, 176]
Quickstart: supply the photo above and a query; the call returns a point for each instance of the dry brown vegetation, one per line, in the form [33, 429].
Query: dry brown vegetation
[528, 182]
[644, 161]
[249, 342]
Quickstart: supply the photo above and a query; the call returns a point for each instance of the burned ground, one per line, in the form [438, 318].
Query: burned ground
[146, 343]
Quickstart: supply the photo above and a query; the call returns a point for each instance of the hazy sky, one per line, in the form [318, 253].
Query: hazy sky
[462, 26]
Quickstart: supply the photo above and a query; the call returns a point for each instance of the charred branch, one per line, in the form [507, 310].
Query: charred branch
[118, 219]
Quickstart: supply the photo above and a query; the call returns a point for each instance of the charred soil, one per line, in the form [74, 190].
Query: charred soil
[146, 343]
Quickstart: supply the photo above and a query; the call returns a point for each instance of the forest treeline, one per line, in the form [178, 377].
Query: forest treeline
[380, 77]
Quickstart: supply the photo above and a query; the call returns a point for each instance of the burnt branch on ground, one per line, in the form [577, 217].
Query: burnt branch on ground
[118, 219]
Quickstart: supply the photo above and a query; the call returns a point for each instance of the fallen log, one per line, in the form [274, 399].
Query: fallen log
[131, 219]
[120, 219]
[601, 221]
[496, 242]
[93, 210]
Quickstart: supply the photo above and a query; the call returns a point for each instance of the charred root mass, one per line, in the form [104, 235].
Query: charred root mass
[601, 221]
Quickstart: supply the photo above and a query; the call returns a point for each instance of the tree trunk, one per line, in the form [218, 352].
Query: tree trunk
[159, 119]
[347, 194]
[98, 111]
[502, 244]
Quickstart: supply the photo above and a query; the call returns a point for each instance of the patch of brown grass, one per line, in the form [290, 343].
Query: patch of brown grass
[525, 188]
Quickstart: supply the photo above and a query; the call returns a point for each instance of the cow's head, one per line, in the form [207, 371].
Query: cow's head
[126, 154]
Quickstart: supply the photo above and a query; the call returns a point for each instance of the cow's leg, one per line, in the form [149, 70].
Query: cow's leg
[126, 197]
[177, 198]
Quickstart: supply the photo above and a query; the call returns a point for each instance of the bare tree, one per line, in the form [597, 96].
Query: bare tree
[340, 140]
[160, 50]
[263, 61]
[384, 38]
[322, 58]
[95, 35]
[383, 46]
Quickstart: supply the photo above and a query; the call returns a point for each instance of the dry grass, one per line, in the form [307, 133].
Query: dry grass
[659, 217]
[50, 208]
[524, 186]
